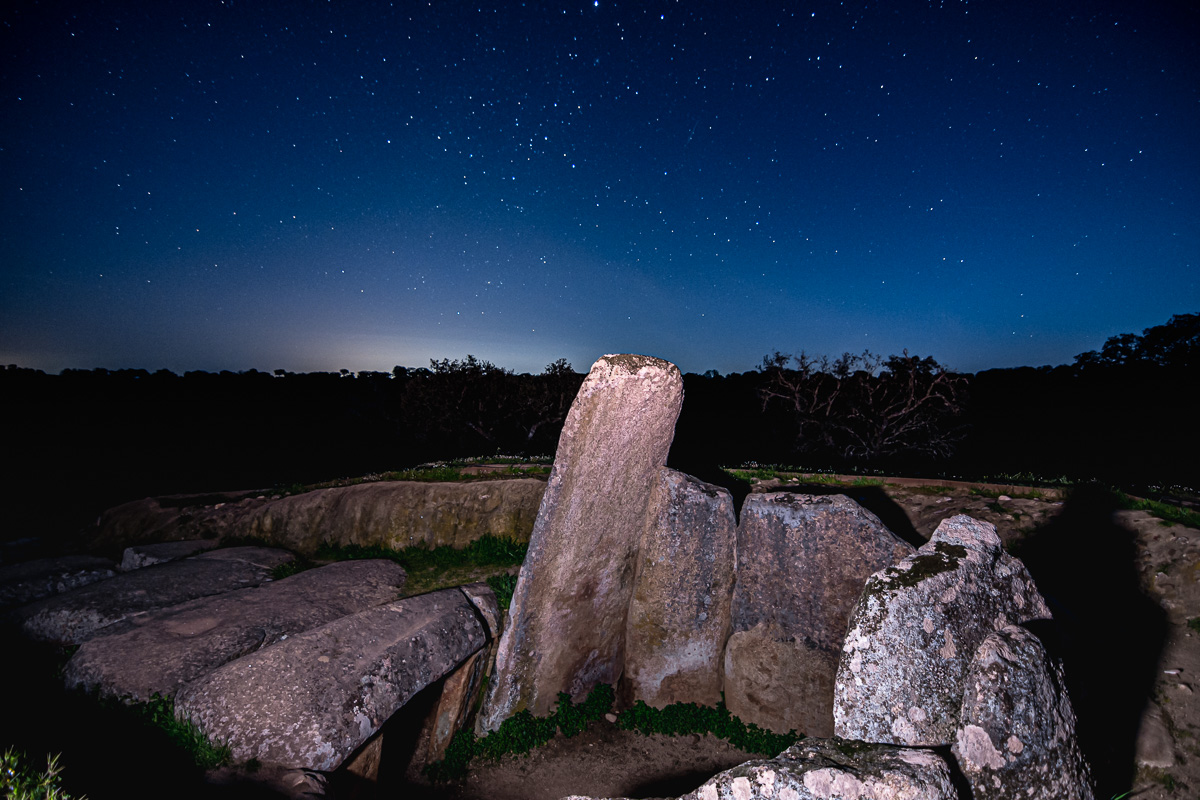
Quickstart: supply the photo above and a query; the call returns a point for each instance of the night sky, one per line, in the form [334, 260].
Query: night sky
[326, 185]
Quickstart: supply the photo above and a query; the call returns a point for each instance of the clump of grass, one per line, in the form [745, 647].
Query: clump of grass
[504, 586]
[684, 718]
[1164, 511]
[289, 568]
[521, 733]
[1194, 624]
[21, 781]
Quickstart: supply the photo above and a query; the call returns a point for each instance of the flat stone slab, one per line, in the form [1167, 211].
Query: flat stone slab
[78, 615]
[32, 580]
[802, 562]
[143, 555]
[174, 646]
[312, 699]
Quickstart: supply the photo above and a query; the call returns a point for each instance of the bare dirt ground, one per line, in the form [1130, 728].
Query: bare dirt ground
[1122, 585]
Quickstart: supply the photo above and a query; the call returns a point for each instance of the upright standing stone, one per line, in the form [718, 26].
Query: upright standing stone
[679, 614]
[1016, 734]
[566, 624]
[802, 563]
[917, 626]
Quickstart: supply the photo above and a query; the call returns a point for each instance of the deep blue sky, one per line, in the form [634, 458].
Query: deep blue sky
[325, 185]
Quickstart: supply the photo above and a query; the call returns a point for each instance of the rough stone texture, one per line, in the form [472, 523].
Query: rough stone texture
[144, 555]
[566, 624]
[915, 629]
[829, 769]
[386, 513]
[680, 610]
[78, 615]
[312, 699]
[1016, 735]
[1154, 746]
[802, 563]
[32, 580]
[169, 648]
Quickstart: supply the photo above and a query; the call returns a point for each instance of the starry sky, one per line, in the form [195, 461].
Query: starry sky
[326, 185]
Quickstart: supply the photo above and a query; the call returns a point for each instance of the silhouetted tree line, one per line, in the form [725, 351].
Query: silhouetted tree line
[82, 440]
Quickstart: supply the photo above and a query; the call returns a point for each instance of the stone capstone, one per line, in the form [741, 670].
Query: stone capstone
[32, 580]
[174, 646]
[680, 609]
[1016, 733]
[832, 769]
[903, 668]
[78, 615]
[566, 623]
[802, 561]
[312, 699]
[391, 514]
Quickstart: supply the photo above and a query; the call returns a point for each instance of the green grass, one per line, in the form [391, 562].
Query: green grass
[428, 569]
[1032, 494]
[159, 713]
[684, 718]
[1164, 511]
[503, 585]
[521, 733]
[19, 780]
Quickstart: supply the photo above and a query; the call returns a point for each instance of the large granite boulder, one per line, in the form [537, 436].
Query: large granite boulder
[566, 629]
[802, 562]
[169, 648]
[312, 699]
[916, 628]
[831, 769]
[390, 514]
[1016, 733]
[683, 584]
[78, 615]
[32, 580]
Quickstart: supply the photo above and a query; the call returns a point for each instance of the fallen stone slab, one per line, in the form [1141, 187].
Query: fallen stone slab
[312, 699]
[389, 514]
[566, 622]
[32, 580]
[138, 556]
[802, 563]
[833, 769]
[174, 646]
[680, 610]
[1016, 734]
[78, 615]
[916, 628]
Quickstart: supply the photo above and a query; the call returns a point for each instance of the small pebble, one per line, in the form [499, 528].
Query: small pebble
[1170, 672]
[1183, 687]
[611, 717]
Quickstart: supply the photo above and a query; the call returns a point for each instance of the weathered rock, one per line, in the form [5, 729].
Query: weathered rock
[832, 769]
[1016, 734]
[144, 555]
[386, 513]
[310, 700]
[78, 615]
[566, 624]
[1154, 747]
[32, 580]
[802, 563]
[683, 585]
[916, 627]
[174, 646]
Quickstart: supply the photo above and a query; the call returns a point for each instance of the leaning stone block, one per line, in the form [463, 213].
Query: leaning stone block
[32, 580]
[566, 624]
[833, 769]
[903, 668]
[312, 699]
[1016, 735]
[679, 613]
[802, 563]
[169, 648]
[76, 616]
